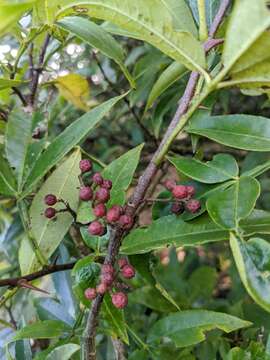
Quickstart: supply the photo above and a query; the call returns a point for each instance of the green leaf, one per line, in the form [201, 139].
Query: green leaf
[48, 234]
[49, 309]
[151, 298]
[228, 206]
[181, 15]
[115, 319]
[223, 167]
[252, 259]
[152, 21]
[258, 222]
[121, 172]
[7, 83]
[168, 77]
[188, 327]
[7, 180]
[97, 37]
[63, 352]
[70, 137]
[10, 13]
[18, 138]
[170, 230]
[86, 274]
[96, 243]
[42, 330]
[246, 132]
[257, 170]
[246, 15]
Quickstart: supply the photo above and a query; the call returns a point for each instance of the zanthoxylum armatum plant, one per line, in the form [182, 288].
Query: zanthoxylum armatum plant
[134, 184]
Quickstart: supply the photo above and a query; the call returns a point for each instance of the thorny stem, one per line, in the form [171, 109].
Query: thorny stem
[178, 122]
[49, 269]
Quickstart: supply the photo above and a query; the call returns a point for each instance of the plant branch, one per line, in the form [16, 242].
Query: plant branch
[49, 269]
[180, 118]
[219, 17]
[35, 72]
[203, 32]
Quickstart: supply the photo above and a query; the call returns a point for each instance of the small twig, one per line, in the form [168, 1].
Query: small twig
[119, 349]
[49, 269]
[11, 316]
[35, 72]
[20, 95]
[219, 17]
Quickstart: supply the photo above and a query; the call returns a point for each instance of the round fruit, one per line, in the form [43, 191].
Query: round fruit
[50, 212]
[90, 293]
[97, 179]
[99, 210]
[180, 192]
[102, 195]
[50, 199]
[85, 165]
[128, 272]
[96, 228]
[86, 193]
[193, 206]
[120, 300]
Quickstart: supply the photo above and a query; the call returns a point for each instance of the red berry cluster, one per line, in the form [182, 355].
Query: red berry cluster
[183, 197]
[50, 200]
[109, 282]
[99, 193]
[97, 190]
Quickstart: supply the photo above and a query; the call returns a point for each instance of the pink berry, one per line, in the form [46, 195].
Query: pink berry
[120, 300]
[107, 184]
[128, 271]
[96, 228]
[122, 262]
[177, 208]
[180, 192]
[102, 195]
[190, 190]
[126, 221]
[99, 210]
[90, 293]
[193, 206]
[85, 165]
[114, 214]
[50, 212]
[86, 193]
[50, 199]
[169, 184]
[97, 179]
[107, 278]
[101, 288]
[107, 268]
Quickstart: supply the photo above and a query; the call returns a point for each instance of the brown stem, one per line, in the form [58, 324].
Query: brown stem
[13, 282]
[35, 72]
[219, 17]
[89, 349]
[119, 349]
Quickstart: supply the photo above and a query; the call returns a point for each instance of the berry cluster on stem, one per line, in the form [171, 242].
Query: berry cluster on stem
[96, 189]
[110, 282]
[183, 198]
